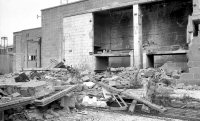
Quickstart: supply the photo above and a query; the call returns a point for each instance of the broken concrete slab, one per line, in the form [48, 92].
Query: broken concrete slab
[56, 96]
[35, 88]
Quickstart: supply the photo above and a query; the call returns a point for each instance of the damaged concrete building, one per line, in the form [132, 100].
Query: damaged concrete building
[98, 34]
[94, 35]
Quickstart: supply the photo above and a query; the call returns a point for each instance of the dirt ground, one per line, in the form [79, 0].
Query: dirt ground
[94, 115]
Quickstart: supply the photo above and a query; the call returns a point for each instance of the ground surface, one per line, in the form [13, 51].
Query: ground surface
[94, 115]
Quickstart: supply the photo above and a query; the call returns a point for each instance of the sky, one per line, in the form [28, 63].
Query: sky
[17, 15]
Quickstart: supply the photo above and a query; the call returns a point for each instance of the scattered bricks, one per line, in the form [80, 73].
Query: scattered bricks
[189, 76]
[195, 70]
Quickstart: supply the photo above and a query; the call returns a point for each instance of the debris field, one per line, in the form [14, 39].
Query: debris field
[66, 93]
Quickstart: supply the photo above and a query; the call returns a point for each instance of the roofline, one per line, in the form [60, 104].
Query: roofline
[77, 2]
[27, 29]
[103, 8]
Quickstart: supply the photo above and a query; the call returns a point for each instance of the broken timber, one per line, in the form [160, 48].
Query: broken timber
[122, 107]
[47, 100]
[132, 106]
[119, 92]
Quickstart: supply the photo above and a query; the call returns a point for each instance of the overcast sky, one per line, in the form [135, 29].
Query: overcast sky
[17, 15]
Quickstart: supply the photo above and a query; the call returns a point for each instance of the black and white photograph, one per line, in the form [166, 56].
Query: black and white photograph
[99, 60]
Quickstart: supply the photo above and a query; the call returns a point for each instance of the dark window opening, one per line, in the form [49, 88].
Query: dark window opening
[31, 57]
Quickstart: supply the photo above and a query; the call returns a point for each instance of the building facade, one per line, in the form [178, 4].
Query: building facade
[27, 49]
[97, 34]
[103, 33]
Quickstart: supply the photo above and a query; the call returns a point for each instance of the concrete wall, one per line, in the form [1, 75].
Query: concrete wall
[52, 23]
[18, 52]
[6, 64]
[114, 30]
[165, 24]
[196, 7]
[21, 49]
[78, 37]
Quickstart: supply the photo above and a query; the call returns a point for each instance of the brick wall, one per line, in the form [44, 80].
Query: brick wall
[78, 36]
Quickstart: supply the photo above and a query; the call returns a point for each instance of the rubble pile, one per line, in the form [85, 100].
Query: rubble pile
[67, 89]
[124, 78]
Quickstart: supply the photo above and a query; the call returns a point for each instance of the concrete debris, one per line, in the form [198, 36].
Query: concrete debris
[49, 94]
[22, 78]
[87, 101]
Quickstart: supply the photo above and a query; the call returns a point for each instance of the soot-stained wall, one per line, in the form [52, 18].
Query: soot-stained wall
[113, 30]
[165, 24]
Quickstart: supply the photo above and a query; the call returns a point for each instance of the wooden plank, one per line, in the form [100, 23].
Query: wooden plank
[132, 106]
[119, 92]
[54, 97]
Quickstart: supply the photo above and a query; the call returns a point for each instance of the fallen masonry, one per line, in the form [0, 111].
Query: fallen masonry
[50, 93]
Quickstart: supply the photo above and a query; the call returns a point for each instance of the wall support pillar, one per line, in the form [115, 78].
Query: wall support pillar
[137, 36]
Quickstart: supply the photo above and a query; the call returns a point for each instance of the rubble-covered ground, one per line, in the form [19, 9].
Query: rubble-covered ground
[158, 86]
[94, 115]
